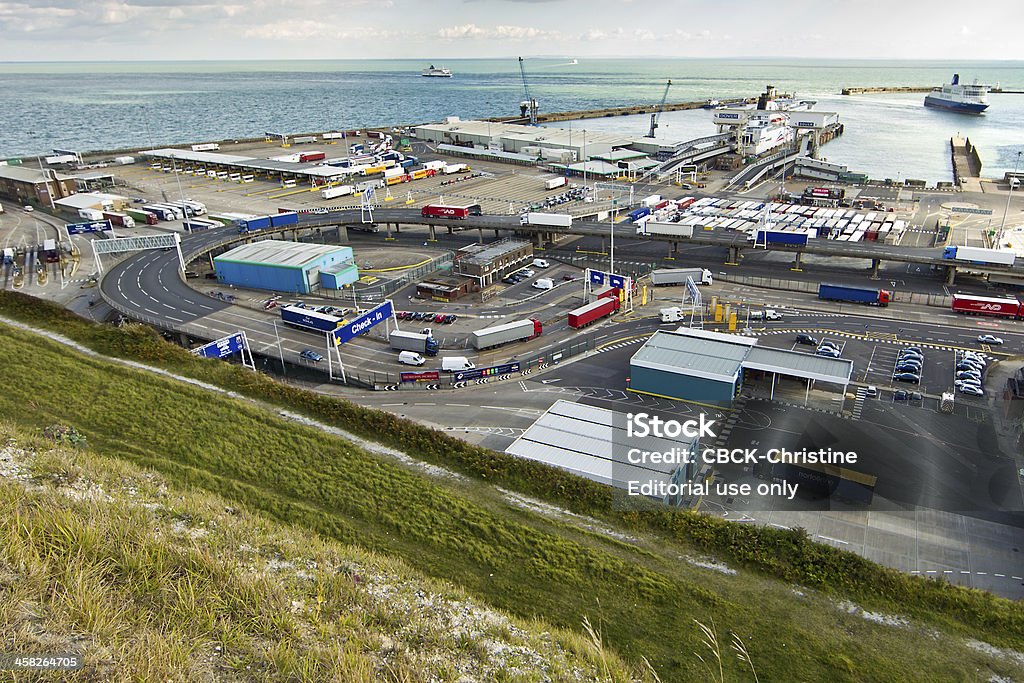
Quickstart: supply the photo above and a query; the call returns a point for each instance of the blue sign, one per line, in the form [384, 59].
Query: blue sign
[91, 226]
[363, 323]
[617, 281]
[596, 277]
[493, 371]
[224, 346]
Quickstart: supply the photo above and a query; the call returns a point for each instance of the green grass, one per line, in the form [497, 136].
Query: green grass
[644, 601]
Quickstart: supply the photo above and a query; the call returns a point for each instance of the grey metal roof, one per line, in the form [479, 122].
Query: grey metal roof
[699, 356]
[593, 443]
[483, 256]
[200, 157]
[281, 253]
[800, 364]
[27, 174]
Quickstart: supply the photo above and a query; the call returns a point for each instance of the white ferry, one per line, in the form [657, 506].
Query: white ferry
[437, 72]
[972, 99]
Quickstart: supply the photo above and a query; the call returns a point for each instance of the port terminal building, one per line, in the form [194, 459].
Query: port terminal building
[293, 267]
[712, 368]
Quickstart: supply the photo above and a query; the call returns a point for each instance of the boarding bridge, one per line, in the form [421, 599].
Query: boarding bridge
[754, 172]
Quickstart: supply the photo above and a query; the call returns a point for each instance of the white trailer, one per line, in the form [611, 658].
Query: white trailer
[555, 220]
[979, 255]
[337, 191]
[666, 229]
[206, 147]
[552, 183]
[677, 276]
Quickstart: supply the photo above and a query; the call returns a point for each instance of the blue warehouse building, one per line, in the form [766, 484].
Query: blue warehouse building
[707, 367]
[293, 267]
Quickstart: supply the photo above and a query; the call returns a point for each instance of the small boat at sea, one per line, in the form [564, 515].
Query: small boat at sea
[971, 99]
[437, 72]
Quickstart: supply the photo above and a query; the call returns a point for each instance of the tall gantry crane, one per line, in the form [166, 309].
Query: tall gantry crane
[529, 105]
[661, 107]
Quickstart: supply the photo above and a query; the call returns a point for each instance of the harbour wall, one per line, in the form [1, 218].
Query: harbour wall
[614, 111]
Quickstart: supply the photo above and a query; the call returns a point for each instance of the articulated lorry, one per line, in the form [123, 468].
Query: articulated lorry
[554, 220]
[677, 276]
[413, 341]
[858, 295]
[592, 312]
[979, 255]
[308, 319]
[520, 330]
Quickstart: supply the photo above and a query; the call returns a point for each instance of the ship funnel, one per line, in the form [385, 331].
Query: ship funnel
[956, 79]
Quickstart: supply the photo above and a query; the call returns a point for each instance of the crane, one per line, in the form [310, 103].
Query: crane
[661, 107]
[529, 104]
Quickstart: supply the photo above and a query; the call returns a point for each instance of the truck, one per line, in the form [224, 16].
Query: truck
[986, 305]
[859, 295]
[286, 218]
[456, 364]
[413, 341]
[449, 211]
[677, 276]
[310, 320]
[124, 161]
[121, 219]
[666, 229]
[637, 214]
[206, 147]
[552, 183]
[50, 252]
[160, 212]
[780, 237]
[519, 330]
[449, 169]
[253, 224]
[148, 217]
[91, 214]
[306, 157]
[554, 220]
[979, 255]
[947, 402]
[8, 256]
[336, 191]
[651, 201]
[592, 312]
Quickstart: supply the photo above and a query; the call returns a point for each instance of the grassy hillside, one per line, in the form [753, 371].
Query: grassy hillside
[149, 582]
[645, 596]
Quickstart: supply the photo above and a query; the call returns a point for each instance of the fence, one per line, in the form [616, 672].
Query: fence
[386, 289]
[921, 298]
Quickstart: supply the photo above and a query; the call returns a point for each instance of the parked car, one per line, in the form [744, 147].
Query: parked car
[911, 354]
[806, 339]
[568, 277]
[907, 377]
[967, 383]
[450, 318]
[901, 395]
[871, 391]
[916, 396]
[971, 390]
[968, 375]
[989, 339]
[829, 345]
[311, 355]
[829, 352]
[439, 318]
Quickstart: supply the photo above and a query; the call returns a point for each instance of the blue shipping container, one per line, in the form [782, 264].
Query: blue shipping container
[949, 252]
[310, 320]
[289, 218]
[775, 237]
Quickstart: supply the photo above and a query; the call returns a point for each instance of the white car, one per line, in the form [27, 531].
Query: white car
[971, 390]
[989, 339]
[28, 208]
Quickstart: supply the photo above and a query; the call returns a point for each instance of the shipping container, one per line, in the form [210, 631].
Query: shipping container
[552, 183]
[779, 237]
[983, 305]
[592, 312]
[637, 214]
[282, 219]
[306, 157]
[505, 333]
[253, 224]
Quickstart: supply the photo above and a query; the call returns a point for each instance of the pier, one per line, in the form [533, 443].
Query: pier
[966, 164]
[616, 111]
[912, 89]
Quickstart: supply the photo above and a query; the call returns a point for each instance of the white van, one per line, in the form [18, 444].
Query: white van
[672, 315]
[543, 283]
[540, 263]
[411, 358]
[456, 364]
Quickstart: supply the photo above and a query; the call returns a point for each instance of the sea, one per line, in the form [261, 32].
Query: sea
[85, 106]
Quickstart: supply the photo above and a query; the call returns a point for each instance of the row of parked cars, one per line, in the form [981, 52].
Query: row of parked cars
[908, 365]
[969, 373]
[439, 318]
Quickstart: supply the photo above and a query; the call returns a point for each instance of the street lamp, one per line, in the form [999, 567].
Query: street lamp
[1008, 195]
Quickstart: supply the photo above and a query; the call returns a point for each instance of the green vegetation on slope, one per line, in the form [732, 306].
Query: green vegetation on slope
[148, 583]
[644, 602]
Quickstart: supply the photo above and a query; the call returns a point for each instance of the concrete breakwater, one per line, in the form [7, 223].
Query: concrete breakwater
[885, 89]
[616, 111]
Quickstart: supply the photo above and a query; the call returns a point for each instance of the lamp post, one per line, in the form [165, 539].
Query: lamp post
[1009, 194]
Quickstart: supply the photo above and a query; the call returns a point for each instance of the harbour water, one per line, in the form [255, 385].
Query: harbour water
[91, 106]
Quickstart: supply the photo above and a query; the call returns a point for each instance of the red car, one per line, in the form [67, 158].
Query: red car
[439, 318]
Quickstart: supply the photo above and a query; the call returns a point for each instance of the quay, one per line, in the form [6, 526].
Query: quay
[617, 111]
[913, 89]
[966, 164]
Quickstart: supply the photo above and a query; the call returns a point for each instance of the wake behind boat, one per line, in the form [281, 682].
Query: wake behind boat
[971, 99]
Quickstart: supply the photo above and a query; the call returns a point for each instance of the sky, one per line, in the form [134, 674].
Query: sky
[130, 30]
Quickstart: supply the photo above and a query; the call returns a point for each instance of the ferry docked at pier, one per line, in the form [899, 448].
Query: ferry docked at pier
[971, 99]
[437, 72]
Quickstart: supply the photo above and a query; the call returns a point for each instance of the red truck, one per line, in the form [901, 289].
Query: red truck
[594, 311]
[312, 156]
[446, 211]
[985, 305]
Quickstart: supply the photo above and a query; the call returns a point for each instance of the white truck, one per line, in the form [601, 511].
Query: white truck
[766, 314]
[677, 276]
[552, 183]
[456, 364]
[672, 315]
[554, 220]
[336, 191]
[665, 229]
[90, 214]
